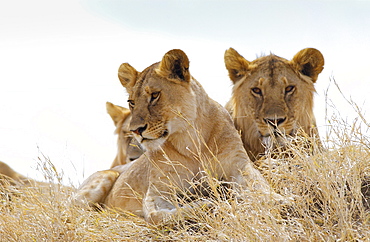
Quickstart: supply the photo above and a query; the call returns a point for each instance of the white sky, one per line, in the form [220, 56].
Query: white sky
[59, 62]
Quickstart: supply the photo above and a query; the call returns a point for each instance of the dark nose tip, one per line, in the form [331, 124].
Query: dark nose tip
[140, 130]
[275, 122]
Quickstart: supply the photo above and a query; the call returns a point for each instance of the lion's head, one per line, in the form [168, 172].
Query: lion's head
[157, 97]
[128, 149]
[272, 95]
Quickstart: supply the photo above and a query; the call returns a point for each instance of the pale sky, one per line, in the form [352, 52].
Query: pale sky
[59, 62]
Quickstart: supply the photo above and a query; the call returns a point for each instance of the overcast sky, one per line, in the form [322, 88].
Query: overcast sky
[59, 62]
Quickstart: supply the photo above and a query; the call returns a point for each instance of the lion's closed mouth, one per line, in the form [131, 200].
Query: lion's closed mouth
[164, 134]
[276, 133]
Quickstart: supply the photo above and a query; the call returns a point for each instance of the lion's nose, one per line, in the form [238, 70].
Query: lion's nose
[140, 130]
[275, 122]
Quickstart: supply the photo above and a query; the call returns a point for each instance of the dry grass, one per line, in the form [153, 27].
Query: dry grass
[326, 187]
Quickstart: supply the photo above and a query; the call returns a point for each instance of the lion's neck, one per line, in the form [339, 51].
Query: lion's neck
[193, 137]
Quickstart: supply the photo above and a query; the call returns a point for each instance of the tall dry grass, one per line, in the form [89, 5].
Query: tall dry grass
[328, 188]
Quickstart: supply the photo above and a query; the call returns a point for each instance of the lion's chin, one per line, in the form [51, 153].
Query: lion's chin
[266, 132]
[154, 144]
[271, 142]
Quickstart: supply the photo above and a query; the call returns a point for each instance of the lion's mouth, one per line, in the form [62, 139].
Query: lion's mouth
[163, 135]
[275, 133]
[276, 139]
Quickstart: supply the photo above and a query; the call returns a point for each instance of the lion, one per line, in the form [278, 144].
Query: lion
[128, 149]
[185, 134]
[273, 97]
[10, 175]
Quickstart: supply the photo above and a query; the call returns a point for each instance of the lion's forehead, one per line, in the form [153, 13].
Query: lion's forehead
[270, 61]
[273, 71]
[142, 80]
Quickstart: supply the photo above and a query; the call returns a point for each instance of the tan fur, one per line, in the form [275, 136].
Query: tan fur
[128, 149]
[6, 172]
[273, 95]
[8, 176]
[185, 133]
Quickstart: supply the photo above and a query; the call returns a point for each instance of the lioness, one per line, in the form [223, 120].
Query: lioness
[272, 97]
[128, 149]
[10, 175]
[184, 133]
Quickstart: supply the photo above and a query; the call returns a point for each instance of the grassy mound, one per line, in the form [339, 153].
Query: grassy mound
[331, 191]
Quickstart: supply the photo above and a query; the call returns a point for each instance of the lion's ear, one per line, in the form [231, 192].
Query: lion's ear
[236, 64]
[117, 113]
[309, 62]
[174, 65]
[127, 75]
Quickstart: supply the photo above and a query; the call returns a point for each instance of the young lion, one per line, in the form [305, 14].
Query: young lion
[272, 97]
[10, 175]
[128, 149]
[184, 132]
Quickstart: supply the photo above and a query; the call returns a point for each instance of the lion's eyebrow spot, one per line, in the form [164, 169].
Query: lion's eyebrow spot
[260, 81]
[284, 80]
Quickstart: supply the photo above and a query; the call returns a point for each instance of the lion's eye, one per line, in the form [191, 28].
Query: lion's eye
[257, 91]
[131, 103]
[154, 96]
[289, 89]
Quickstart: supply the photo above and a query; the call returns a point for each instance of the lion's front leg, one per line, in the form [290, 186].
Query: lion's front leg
[157, 209]
[161, 202]
[161, 209]
[251, 179]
